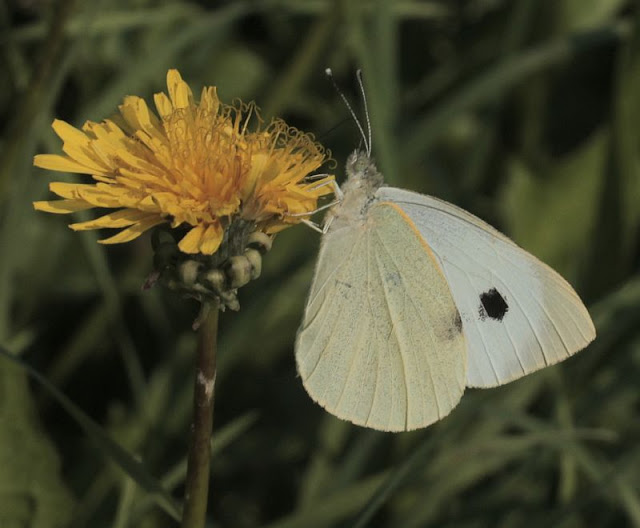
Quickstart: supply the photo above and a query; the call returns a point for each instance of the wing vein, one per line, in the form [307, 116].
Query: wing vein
[375, 390]
[394, 334]
[361, 332]
[320, 356]
[332, 273]
[426, 323]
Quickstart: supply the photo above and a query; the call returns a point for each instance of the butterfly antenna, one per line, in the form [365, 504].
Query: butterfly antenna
[366, 110]
[366, 139]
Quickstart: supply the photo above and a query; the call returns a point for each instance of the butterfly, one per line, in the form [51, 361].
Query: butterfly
[414, 299]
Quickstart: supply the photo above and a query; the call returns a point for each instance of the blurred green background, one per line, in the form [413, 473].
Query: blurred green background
[524, 112]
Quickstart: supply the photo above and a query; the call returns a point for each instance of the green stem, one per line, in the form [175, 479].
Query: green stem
[197, 484]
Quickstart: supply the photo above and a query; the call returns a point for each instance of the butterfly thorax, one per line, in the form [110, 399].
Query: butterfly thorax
[363, 180]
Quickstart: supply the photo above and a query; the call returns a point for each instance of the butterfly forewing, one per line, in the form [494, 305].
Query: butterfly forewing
[518, 314]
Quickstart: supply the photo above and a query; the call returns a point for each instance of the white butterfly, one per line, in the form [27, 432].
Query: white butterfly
[414, 299]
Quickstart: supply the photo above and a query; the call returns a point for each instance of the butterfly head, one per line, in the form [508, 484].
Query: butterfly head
[362, 172]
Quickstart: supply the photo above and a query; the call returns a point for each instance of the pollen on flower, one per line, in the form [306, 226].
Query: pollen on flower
[194, 165]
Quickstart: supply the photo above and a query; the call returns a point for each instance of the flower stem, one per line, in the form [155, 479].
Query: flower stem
[197, 484]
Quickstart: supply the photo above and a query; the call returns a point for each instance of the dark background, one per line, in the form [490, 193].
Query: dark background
[526, 113]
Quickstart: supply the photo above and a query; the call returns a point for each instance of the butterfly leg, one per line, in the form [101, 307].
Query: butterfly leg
[327, 223]
[339, 195]
[337, 192]
[314, 226]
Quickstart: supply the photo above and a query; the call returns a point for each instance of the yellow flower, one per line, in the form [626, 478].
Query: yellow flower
[194, 165]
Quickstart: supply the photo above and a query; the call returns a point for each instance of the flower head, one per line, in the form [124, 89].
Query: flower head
[194, 165]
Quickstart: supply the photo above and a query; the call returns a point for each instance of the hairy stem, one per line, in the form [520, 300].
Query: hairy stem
[197, 484]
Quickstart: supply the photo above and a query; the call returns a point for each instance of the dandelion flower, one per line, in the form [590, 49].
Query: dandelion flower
[197, 166]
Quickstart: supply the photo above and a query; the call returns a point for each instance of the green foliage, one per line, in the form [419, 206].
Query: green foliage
[535, 205]
[524, 112]
[31, 490]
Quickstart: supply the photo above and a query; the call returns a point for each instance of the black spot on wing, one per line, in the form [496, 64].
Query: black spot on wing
[450, 327]
[492, 305]
[457, 323]
[455, 329]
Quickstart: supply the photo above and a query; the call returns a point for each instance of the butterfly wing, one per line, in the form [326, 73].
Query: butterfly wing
[518, 314]
[381, 341]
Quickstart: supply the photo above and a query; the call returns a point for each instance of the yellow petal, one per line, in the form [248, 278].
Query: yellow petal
[111, 129]
[273, 228]
[149, 205]
[211, 239]
[62, 206]
[179, 91]
[138, 116]
[209, 100]
[149, 180]
[164, 200]
[103, 178]
[100, 197]
[190, 243]
[121, 218]
[163, 104]
[104, 153]
[85, 155]
[77, 145]
[68, 190]
[133, 232]
[107, 146]
[56, 162]
[68, 133]
[125, 184]
[105, 130]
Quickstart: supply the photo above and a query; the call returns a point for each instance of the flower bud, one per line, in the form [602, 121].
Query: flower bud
[238, 271]
[260, 241]
[255, 259]
[215, 279]
[188, 272]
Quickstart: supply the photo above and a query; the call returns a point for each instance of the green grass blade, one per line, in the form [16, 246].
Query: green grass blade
[132, 467]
